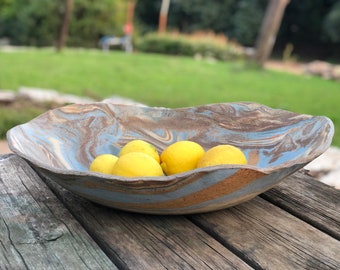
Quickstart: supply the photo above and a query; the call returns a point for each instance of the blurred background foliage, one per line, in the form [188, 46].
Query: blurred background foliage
[309, 25]
[37, 22]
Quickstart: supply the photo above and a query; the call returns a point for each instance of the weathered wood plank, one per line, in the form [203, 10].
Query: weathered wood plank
[268, 237]
[310, 200]
[36, 231]
[260, 233]
[136, 241]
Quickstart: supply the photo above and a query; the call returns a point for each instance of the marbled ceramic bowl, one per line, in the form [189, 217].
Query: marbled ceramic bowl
[61, 143]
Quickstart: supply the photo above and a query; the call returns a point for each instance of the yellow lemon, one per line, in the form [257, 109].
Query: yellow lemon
[181, 156]
[222, 154]
[103, 163]
[137, 164]
[140, 146]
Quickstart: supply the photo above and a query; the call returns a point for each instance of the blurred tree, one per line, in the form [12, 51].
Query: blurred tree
[65, 24]
[303, 20]
[38, 22]
[130, 10]
[147, 15]
[236, 19]
[269, 28]
[246, 21]
[331, 23]
[163, 16]
[93, 19]
[304, 24]
[29, 22]
[193, 15]
[186, 15]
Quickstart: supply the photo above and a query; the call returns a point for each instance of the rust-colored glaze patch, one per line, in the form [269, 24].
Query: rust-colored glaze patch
[227, 186]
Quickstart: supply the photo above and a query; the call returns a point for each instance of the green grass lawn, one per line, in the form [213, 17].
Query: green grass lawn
[167, 81]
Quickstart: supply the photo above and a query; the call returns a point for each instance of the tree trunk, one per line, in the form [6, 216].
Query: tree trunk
[269, 28]
[163, 16]
[65, 25]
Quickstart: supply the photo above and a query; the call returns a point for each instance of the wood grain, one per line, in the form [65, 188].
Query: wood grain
[36, 231]
[310, 200]
[267, 237]
[135, 241]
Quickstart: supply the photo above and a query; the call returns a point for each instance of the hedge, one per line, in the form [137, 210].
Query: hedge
[176, 44]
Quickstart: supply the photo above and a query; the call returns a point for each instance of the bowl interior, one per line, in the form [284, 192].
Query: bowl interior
[68, 138]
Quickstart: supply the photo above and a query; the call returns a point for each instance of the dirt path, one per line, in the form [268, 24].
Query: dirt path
[290, 67]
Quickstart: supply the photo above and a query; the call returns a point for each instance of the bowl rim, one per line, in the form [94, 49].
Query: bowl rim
[173, 177]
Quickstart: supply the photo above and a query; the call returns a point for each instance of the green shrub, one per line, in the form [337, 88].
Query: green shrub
[189, 45]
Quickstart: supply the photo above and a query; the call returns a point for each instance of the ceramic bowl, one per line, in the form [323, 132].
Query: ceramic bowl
[61, 143]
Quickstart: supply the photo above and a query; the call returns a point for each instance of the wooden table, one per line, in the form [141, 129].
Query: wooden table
[295, 225]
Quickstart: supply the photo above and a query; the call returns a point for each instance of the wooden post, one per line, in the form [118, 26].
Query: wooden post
[130, 12]
[163, 16]
[128, 27]
[269, 28]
